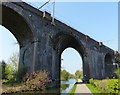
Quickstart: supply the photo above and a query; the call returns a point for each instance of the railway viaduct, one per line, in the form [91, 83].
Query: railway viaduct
[42, 42]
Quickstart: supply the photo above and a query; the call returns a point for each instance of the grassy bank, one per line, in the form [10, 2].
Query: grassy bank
[73, 89]
[105, 86]
[93, 89]
[13, 84]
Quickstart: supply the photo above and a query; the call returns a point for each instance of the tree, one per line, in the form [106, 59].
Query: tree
[71, 76]
[10, 69]
[3, 66]
[78, 74]
[13, 61]
[13, 66]
[117, 58]
[9, 72]
[64, 75]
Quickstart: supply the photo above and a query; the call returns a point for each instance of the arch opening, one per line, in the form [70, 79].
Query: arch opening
[10, 54]
[71, 68]
[9, 43]
[71, 57]
[64, 41]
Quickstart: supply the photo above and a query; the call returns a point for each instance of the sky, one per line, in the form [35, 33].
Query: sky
[99, 20]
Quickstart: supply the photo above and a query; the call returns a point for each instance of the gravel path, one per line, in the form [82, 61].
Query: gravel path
[82, 89]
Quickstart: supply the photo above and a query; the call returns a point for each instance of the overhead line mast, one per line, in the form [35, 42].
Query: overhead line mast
[53, 13]
[53, 10]
[44, 4]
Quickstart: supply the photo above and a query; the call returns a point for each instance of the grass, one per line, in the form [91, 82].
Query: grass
[73, 89]
[93, 89]
[13, 84]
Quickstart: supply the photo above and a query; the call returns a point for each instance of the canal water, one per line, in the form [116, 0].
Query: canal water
[66, 86]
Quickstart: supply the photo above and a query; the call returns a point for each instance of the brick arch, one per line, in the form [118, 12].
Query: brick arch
[17, 25]
[14, 20]
[63, 41]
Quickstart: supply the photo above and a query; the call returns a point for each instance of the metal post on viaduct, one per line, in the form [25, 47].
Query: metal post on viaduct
[41, 43]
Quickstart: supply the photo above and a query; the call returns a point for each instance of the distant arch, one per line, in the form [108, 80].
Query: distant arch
[108, 59]
[108, 65]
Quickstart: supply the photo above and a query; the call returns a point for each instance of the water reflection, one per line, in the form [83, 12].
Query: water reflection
[64, 86]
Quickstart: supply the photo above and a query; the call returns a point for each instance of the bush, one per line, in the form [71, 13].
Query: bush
[112, 86]
[32, 82]
[36, 80]
[92, 81]
[20, 74]
[101, 85]
[117, 72]
[10, 73]
[106, 85]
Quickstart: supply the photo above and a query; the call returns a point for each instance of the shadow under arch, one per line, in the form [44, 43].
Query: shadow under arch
[17, 25]
[108, 58]
[63, 41]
